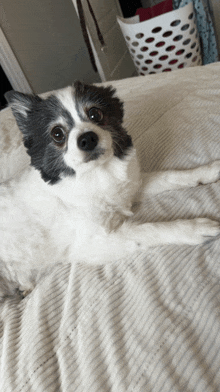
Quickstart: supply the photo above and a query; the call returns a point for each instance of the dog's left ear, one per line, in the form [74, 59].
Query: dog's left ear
[21, 104]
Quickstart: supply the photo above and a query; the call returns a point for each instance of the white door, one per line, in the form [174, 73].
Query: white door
[113, 60]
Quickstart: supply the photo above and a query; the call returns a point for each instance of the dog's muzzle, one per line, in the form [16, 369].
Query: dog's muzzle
[87, 141]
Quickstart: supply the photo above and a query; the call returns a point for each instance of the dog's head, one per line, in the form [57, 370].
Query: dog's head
[71, 129]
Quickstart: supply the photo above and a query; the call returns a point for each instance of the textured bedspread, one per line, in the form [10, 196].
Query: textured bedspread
[149, 323]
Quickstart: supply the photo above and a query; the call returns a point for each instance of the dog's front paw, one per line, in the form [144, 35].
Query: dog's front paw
[9, 289]
[25, 293]
[200, 230]
[209, 173]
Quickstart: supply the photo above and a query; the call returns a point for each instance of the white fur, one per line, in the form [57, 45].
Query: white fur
[81, 221]
[74, 158]
[86, 218]
[65, 95]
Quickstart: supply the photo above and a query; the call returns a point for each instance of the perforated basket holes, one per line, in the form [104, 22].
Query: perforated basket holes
[167, 46]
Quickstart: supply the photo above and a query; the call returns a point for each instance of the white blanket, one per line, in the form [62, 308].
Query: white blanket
[150, 323]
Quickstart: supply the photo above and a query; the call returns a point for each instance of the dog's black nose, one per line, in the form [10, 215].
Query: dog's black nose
[88, 141]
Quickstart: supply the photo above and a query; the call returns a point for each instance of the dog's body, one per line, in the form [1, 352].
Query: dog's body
[74, 202]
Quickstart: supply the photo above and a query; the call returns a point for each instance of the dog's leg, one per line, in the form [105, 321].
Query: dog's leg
[130, 238]
[193, 232]
[157, 182]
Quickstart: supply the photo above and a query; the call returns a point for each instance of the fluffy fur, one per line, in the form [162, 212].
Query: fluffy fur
[74, 202]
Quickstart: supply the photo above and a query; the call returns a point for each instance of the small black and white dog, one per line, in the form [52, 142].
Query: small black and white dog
[73, 204]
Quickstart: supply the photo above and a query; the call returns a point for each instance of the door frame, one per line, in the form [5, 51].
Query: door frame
[11, 67]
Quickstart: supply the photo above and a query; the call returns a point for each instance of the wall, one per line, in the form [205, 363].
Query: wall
[46, 39]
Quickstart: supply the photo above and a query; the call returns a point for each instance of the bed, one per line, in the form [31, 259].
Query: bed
[149, 323]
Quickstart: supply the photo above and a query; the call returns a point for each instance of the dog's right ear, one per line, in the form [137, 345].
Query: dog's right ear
[21, 105]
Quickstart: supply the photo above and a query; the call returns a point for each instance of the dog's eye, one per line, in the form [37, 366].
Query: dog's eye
[95, 115]
[58, 135]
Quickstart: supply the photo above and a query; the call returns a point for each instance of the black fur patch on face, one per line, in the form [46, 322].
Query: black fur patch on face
[87, 97]
[34, 117]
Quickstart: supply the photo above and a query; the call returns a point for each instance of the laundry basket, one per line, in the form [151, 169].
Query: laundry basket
[164, 43]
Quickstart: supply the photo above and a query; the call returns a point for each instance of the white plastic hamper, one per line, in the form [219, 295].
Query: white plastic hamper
[164, 43]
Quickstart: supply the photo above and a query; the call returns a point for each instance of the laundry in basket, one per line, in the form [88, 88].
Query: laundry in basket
[164, 43]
